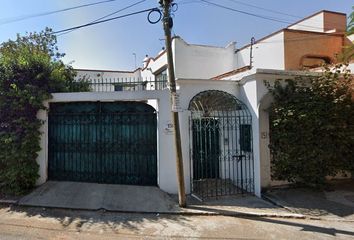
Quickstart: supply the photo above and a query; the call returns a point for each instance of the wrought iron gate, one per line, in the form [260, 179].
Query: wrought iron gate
[221, 145]
[103, 142]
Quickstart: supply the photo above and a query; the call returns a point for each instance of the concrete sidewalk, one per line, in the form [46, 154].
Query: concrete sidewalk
[335, 204]
[141, 199]
[93, 196]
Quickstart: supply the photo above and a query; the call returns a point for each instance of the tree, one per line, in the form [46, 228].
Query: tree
[30, 70]
[312, 128]
[350, 27]
[348, 51]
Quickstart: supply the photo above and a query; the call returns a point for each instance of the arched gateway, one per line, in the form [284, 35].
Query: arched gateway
[220, 145]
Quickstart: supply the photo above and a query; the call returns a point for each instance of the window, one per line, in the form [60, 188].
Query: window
[245, 137]
[313, 61]
[161, 79]
[118, 87]
[161, 76]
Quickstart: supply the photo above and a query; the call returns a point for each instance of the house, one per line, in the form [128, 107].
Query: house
[121, 131]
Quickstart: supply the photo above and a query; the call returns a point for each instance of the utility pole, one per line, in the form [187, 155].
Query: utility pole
[167, 25]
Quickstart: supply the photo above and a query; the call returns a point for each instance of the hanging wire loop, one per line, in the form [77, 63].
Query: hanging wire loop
[153, 14]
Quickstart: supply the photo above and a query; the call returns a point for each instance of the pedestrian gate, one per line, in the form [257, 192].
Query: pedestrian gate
[103, 142]
[221, 145]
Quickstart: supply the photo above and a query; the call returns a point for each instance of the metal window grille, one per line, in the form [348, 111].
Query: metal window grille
[122, 84]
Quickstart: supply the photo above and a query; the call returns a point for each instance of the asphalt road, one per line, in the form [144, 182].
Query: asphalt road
[34, 223]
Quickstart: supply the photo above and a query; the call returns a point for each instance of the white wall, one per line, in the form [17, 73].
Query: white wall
[201, 62]
[268, 53]
[264, 100]
[351, 37]
[314, 24]
[265, 160]
[190, 88]
[42, 158]
[192, 63]
[154, 65]
[248, 94]
[167, 180]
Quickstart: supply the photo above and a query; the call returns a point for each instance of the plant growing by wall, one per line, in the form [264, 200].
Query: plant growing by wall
[312, 127]
[348, 51]
[30, 70]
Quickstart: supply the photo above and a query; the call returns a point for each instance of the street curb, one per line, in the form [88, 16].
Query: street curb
[241, 215]
[8, 201]
[182, 213]
[281, 204]
[187, 212]
[277, 203]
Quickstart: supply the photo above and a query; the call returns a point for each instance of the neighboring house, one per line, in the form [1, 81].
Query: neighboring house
[121, 131]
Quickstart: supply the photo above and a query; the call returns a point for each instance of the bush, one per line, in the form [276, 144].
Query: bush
[30, 70]
[312, 127]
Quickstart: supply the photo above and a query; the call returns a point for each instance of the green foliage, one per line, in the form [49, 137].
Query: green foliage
[30, 70]
[312, 127]
[350, 27]
[348, 51]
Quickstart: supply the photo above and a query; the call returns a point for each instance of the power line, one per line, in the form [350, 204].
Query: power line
[20, 18]
[120, 10]
[108, 15]
[265, 9]
[273, 19]
[274, 11]
[106, 20]
[288, 21]
[188, 2]
[246, 13]
[257, 15]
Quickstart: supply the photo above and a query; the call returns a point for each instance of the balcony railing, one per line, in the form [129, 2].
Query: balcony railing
[120, 84]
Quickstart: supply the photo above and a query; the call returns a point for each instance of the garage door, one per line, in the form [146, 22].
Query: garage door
[103, 142]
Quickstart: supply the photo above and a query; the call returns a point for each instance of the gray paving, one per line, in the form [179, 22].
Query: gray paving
[336, 203]
[37, 223]
[141, 199]
[242, 204]
[92, 196]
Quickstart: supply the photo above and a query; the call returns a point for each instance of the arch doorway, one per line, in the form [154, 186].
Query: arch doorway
[220, 145]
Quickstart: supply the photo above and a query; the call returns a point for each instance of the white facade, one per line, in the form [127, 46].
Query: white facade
[201, 62]
[197, 68]
[166, 163]
[267, 53]
[167, 178]
[314, 24]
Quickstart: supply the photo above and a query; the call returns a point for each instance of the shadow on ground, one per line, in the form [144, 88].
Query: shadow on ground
[134, 224]
[337, 202]
[80, 220]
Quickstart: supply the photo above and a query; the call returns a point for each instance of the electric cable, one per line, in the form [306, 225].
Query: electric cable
[257, 15]
[106, 20]
[244, 12]
[108, 15]
[265, 9]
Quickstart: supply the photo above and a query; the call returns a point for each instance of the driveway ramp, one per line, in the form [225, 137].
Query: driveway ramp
[93, 196]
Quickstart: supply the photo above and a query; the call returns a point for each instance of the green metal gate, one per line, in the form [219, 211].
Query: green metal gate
[206, 148]
[103, 142]
[220, 145]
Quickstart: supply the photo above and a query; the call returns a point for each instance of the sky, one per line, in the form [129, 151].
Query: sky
[113, 45]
